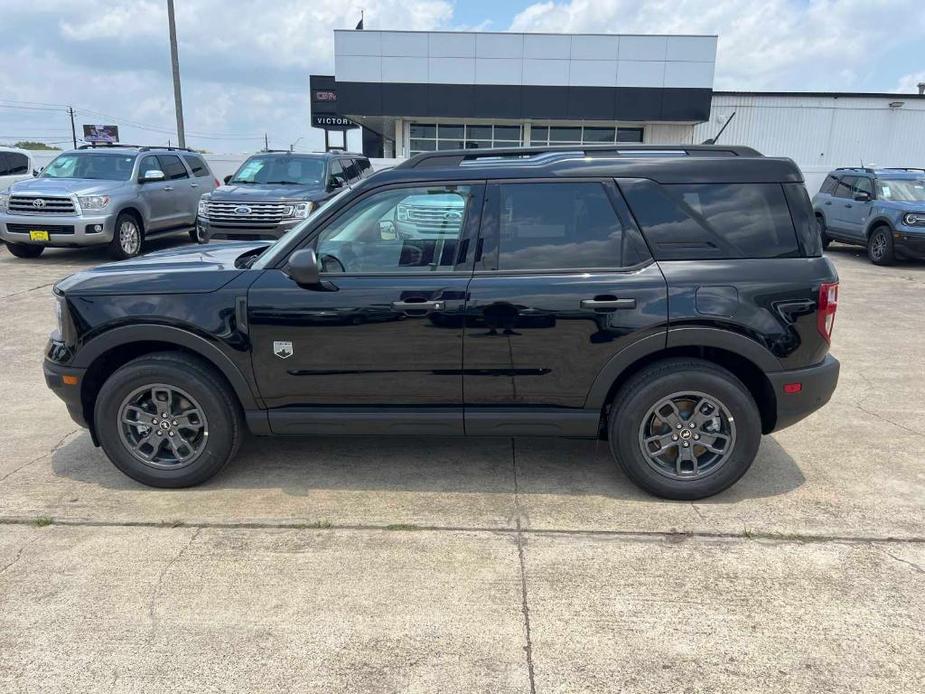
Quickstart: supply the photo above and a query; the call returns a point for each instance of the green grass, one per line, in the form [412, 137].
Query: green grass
[43, 521]
[401, 526]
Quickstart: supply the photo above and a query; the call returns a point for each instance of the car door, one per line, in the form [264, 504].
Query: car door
[157, 194]
[381, 338]
[839, 219]
[185, 198]
[857, 210]
[14, 166]
[563, 283]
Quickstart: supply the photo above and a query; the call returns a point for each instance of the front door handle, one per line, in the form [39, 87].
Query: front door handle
[827, 202]
[168, 187]
[193, 185]
[847, 205]
[607, 304]
[418, 308]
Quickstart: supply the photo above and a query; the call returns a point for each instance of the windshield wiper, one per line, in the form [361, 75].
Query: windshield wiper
[253, 183]
[285, 183]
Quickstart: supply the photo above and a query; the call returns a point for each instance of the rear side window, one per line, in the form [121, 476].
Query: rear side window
[13, 164]
[363, 166]
[828, 185]
[350, 169]
[713, 220]
[544, 226]
[197, 166]
[172, 166]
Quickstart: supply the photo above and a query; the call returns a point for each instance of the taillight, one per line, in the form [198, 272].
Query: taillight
[825, 313]
[217, 184]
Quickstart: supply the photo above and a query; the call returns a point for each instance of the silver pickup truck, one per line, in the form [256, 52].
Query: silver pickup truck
[113, 195]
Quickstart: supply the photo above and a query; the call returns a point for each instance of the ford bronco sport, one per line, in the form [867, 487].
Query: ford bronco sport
[673, 301]
[115, 195]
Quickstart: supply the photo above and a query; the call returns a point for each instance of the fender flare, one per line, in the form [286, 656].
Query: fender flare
[118, 337]
[874, 223]
[745, 347]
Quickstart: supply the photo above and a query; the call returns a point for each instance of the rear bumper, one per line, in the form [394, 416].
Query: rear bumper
[817, 385]
[70, 394]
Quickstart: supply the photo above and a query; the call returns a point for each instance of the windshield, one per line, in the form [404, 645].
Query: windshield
[282, 245]
[93, 165]
[284, 169]
[901, 189]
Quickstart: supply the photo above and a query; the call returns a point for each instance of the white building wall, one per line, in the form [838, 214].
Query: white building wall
[821, 133]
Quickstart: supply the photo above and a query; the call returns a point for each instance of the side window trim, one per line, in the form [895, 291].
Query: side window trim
[145, 165]
[467, 236]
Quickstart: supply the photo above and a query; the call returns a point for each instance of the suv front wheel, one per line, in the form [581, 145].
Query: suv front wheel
[880, 246]
[25, 250]
[684, 429]
[168, 420]
[127, 238]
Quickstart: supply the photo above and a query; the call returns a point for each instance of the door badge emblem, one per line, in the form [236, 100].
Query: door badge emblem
[282, 349]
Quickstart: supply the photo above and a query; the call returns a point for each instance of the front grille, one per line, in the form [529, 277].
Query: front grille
[41, 204]
[261, 214]
[440, 219]
[50, 228]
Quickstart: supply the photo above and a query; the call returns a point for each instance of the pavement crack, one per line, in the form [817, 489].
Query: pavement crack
[18, 556]
[886, 419]
[155, 594]
[26, 291]
[915, 566]
[54, 449]
[524, 606]
[698, 511]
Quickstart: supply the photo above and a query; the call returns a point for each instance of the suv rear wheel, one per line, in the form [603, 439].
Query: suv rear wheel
[880, 246]
[25, 250]
[128, 238]
[684, 429]
[168, 420]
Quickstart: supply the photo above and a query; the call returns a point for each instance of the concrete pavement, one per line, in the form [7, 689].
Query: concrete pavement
[541, 569]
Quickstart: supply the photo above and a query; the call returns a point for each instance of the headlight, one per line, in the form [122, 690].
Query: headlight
[402, 213]
[4, 199]
[59, 314]
[301, 210]
[93, 202]
[912, 219]
[204, 205]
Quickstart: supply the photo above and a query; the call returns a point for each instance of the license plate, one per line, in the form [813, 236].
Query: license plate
[38, 235]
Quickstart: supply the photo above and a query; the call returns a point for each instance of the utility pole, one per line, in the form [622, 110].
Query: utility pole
[266, 142]
[70, 111]
[175, 64]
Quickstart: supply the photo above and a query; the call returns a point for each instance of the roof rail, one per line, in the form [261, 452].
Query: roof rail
[865, 169]
[902, 168]
[94, 145]
[543, 155]
[140, 148]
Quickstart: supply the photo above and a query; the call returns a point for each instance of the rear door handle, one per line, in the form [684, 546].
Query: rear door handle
[827, 202]
[418, 308]
[168, 187]
[607, 304]
[193, 185]
[847, 205]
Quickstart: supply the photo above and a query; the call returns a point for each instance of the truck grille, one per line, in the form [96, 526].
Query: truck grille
[251, 214]
[41, 204]
[436, 219]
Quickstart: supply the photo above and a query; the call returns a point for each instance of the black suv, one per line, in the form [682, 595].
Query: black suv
[674, 301]
[272, 191]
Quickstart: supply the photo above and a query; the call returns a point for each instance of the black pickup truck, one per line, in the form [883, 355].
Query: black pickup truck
[672, 300]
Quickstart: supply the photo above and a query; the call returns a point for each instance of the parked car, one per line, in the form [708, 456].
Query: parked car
[15, 165]
[271, 192]
[112, 195]
[881, 209]
[674, 301]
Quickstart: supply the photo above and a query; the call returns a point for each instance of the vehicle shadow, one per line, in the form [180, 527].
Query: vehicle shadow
[301, 466]
[857, 254]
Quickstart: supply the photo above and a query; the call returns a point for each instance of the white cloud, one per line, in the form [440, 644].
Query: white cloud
[909, 84]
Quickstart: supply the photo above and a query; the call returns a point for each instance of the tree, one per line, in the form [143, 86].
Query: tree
[28, 144]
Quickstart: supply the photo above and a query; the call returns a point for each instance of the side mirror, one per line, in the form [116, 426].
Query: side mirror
[35, 172]
[152, 175]
[304, 269]
[334, 183]
[862, 196]
[387, 231]
[227, 179]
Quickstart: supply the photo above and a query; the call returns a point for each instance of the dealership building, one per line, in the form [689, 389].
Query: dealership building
[414, 92]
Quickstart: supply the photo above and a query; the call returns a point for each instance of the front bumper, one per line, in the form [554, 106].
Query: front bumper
[69, 392]
[910, 241]
[65, 231]
[817, 385]
[241, 231]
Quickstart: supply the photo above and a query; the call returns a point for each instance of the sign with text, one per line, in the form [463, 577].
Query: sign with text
[101, 133]
[331, 122]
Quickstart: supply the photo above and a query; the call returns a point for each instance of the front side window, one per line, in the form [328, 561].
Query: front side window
[845, 187]
[350, 169]
[901, 189]
[172, 166]
[281, 169]
[545, 226]
[401, 230]
[864, 185]
[91, 165]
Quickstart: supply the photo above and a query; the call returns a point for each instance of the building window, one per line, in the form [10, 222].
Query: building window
[542, 135]
[428, 137]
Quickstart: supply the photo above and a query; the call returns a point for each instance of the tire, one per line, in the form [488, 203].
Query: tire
[128, 244]
[632, 419]
[880, 246]
[195, 387]
[197, 237]
[826, 240]
[25, 250]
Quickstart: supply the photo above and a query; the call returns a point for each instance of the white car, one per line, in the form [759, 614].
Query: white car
[15, 165]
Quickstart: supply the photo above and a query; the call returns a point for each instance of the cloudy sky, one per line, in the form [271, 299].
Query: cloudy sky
[245, 63]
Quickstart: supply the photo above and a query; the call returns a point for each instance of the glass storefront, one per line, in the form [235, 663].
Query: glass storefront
[582, 135]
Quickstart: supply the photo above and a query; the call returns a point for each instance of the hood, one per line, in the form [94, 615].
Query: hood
[63, 186]
[190, 270]
[902, 205]
[267, 192]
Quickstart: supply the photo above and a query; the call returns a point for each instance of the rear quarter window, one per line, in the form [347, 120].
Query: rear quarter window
[713, 220]
[196, 165]
[828, 185]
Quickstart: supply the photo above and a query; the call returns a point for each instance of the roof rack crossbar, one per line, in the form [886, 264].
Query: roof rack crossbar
[866, 169]
[903, 168]
[459, 157]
